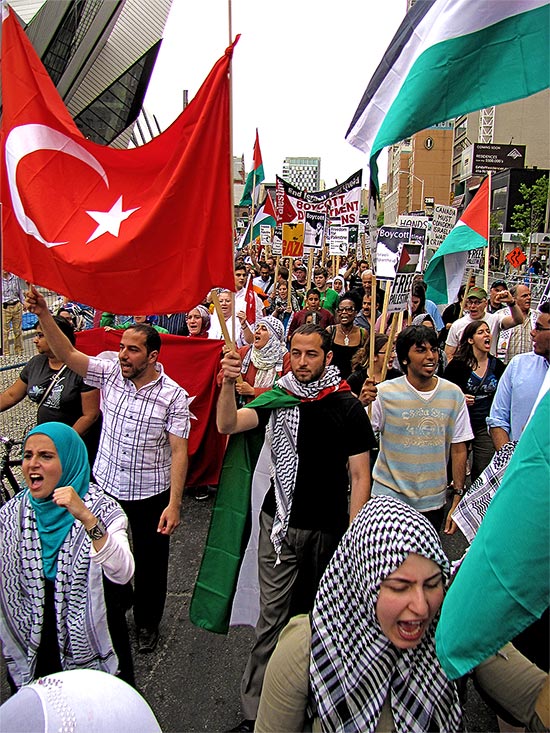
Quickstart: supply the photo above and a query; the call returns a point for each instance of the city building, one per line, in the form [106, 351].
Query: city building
[100, 55]
[304, 173]
[419, 172]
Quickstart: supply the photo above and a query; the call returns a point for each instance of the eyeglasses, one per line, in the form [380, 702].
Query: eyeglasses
[346, 309]
[538, 327]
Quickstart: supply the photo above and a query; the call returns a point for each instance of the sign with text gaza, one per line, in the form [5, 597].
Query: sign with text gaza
[293, 240]
[342, 203]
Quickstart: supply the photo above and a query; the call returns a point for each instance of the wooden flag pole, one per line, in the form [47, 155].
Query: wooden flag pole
[372, 332]
[464, 297]
[276, 273]
[389, 345]
[488, 247]
[384, 306]
[309, 268]
[289, 293]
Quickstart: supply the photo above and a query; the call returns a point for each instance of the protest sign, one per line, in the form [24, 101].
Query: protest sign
[419, 222]
[342, 201]
[314, 231]
[401, 288]
[388, 250]
[443, 221]
[265, 234]
[277, 245]
[338, 243]
[293, 240]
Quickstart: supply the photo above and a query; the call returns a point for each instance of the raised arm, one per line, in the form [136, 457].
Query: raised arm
[228, 419]
[58, 342]
[516, 316]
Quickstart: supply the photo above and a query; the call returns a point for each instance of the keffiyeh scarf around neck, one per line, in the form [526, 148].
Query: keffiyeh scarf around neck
[81, 620]
[354, 666]
[282, 437]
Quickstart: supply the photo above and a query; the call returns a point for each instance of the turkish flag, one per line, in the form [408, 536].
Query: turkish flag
[145, 230]
[193, 363]
[250, 300]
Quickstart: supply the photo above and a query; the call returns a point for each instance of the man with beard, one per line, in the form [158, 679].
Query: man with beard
[305, 511]
[142, 456]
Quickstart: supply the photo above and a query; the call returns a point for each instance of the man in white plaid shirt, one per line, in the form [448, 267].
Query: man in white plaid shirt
[142, 457]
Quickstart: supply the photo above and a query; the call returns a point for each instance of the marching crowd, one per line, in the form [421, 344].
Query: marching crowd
[371, 437]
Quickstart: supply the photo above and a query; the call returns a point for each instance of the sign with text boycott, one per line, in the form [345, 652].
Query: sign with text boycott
[342, 201]
[443, 221]
[389, 246]
[293, 240]
[314, 232]
[401, 289]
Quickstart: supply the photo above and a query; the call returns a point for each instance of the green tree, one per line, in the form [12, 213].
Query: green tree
[380, 219]
[528, 218]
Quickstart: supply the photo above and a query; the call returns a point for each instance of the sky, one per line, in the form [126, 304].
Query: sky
[299, 72]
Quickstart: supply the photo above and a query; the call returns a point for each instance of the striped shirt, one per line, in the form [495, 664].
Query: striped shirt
[134, 457]
[11, 289]
[415, 441]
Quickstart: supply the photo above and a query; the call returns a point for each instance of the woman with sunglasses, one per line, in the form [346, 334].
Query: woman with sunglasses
[346, 337]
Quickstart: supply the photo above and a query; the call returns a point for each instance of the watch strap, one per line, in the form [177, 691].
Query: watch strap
[98, 531]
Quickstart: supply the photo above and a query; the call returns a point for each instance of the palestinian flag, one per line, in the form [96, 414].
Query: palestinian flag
[265, 215]
[444, 274]
[254, 178]
[448, 58]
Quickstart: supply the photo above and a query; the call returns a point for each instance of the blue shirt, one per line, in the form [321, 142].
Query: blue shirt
[432, 309]
[516, 393]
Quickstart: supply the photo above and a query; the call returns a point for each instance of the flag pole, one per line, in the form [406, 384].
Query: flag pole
[486, 263]
[230, 32]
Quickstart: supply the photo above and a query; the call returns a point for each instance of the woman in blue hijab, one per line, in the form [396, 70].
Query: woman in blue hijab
[61, 539]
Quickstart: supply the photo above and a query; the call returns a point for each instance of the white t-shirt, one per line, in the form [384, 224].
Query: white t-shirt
[493, 320]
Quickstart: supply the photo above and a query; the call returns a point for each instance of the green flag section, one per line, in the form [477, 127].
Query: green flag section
[254, 178]
[444, 274]
[448, 58]
[265, 215]
[230, 523]
[503, 583]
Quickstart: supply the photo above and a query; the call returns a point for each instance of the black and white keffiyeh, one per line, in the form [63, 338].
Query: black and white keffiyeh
[471, 509]
[354, 667]
[282, 437]
[82, 633]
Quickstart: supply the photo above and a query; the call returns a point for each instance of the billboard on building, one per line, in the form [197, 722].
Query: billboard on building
[493, 157]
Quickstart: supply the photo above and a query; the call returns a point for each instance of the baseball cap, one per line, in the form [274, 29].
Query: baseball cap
[477, 293]
[499, 284]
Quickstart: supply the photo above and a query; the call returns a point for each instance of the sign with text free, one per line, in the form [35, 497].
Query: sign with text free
[400, 292]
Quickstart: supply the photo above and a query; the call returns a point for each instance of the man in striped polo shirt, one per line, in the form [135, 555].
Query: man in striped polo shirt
[422, 420]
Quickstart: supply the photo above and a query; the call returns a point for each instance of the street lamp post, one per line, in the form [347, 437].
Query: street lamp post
[421, 181]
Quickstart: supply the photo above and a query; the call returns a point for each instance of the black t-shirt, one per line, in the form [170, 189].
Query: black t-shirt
[330, 430]
[64, 403]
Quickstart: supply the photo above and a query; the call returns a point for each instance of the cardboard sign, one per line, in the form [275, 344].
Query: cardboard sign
[265, 234]
[400, 292]
[443, 221]
[389, 245]
[314, 232]
[339, 242]
[293, 239]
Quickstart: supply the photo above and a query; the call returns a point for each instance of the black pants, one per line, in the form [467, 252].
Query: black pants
[151, 551]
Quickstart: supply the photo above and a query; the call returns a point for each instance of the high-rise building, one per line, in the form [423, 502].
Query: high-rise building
[304, 173]
[100, 55]
[419, 172]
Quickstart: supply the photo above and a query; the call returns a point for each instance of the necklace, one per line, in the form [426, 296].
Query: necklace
[346, 335]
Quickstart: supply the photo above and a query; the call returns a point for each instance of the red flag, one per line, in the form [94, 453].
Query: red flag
[146, 230]
[193, 363]
[250, 298]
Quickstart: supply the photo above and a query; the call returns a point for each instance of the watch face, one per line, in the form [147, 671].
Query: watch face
[98, 531]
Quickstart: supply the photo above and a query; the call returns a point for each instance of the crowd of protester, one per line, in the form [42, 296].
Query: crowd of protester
[385, 429]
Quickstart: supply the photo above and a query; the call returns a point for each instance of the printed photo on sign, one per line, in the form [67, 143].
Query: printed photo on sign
[388, 250]
[338, 244]
[293, 239]
[314, 231]
[411, 255]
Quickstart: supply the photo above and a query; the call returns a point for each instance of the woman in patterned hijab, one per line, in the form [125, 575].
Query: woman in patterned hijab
[372, 661]
[58, 538]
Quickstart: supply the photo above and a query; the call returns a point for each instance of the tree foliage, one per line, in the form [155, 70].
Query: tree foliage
[528, 218]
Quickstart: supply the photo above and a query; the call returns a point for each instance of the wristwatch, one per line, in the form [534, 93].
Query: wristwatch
[458, 492]
[98, 531]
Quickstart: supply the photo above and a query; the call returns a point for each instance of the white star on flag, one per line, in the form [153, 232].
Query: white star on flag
[110, 221]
